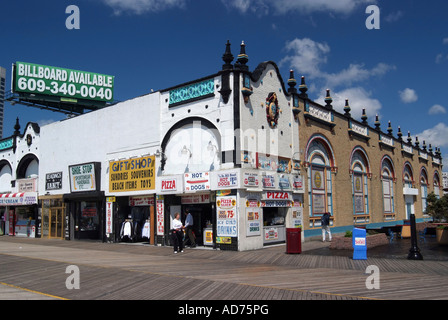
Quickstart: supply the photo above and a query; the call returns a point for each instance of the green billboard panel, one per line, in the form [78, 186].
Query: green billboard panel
[55, 81]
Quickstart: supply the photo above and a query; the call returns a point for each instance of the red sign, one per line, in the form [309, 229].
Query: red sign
[277, 195]
[169, 185]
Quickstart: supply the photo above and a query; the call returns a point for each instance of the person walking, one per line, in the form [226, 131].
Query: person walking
[325, 223]
[189, 230]
[177, 233]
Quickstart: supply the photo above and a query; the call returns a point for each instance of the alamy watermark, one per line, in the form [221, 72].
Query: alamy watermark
[373, 280]
[373, 20]
[73, 281]
[73, 21]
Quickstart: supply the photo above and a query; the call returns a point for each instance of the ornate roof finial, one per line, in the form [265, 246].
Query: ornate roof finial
[227, 57]
[303, 88]
[364, 116]
[292, 82]
[377, 122]
[242, 58]
[409, 137]
[399, 134]
[17, 127]
[328, 100]
[416, 142]
[389, 129]
[347, 108]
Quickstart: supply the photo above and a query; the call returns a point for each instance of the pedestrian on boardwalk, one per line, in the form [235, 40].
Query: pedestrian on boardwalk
[325, 223]
[189, 230]
[177, 233]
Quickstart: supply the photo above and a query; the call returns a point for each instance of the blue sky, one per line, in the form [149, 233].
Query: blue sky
[399, 71]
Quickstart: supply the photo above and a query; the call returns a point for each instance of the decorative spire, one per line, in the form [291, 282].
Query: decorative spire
[430, 149]
[416, 142]
[303, 88]
[292, 82]
[17, 127]
[242, 58]
[364, 116]
[328, 100]
[377, 123]
[399, 134]
[347, 108]
[389, 129]
[409, 137]
[424, 145]
[227, 57]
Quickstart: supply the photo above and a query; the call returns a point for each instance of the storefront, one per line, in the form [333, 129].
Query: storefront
[53, 217]
[134, 218]
[85, 205]
[130, 205]
[20, 214]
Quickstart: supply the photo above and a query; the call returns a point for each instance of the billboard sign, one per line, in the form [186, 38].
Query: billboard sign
[54, 81]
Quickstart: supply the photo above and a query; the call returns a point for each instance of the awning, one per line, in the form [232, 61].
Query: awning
[18, 199]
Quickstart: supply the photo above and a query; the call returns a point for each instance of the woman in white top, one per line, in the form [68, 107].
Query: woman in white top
[177, 233]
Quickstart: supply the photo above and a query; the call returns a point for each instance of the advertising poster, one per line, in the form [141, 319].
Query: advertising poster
[227, 220]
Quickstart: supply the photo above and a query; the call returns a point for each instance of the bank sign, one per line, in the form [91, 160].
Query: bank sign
[55, 81]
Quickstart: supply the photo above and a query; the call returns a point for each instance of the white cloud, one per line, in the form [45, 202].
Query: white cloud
[358, 98]
[307, 56]
[408, 95]
[445, 41]
[437, 136]
[355, 73]
[437, 109]
[143, 6]
[441, 57]
[394, 16]
[303, 6]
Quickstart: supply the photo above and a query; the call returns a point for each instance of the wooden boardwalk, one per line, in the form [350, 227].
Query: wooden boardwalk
[138, 272]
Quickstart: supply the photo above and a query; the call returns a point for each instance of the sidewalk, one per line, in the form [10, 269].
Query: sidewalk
[136, 271]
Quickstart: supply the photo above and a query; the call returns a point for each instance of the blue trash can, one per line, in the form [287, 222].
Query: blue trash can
[359, 243]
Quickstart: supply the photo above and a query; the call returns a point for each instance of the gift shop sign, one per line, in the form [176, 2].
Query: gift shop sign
[199, 181]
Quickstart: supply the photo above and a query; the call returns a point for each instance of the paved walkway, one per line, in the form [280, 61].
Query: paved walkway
[36, 269]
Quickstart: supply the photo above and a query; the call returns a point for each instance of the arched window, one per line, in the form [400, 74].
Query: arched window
[408, 176]
[359, 170]
[424, 187]
[437, 184]
[388, 177]
[319, 155]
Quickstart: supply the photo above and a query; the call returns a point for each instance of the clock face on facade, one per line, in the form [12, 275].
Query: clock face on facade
[29, 139]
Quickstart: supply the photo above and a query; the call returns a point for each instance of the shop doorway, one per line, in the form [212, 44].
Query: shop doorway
[56, 223]
[87, 220]
[202, 223]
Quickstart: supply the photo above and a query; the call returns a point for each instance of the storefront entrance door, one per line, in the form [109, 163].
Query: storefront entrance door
[56, 223]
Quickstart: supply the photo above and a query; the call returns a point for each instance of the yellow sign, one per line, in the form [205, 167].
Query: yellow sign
[132, 174]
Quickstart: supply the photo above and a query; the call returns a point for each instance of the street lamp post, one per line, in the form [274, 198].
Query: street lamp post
[414, 252]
